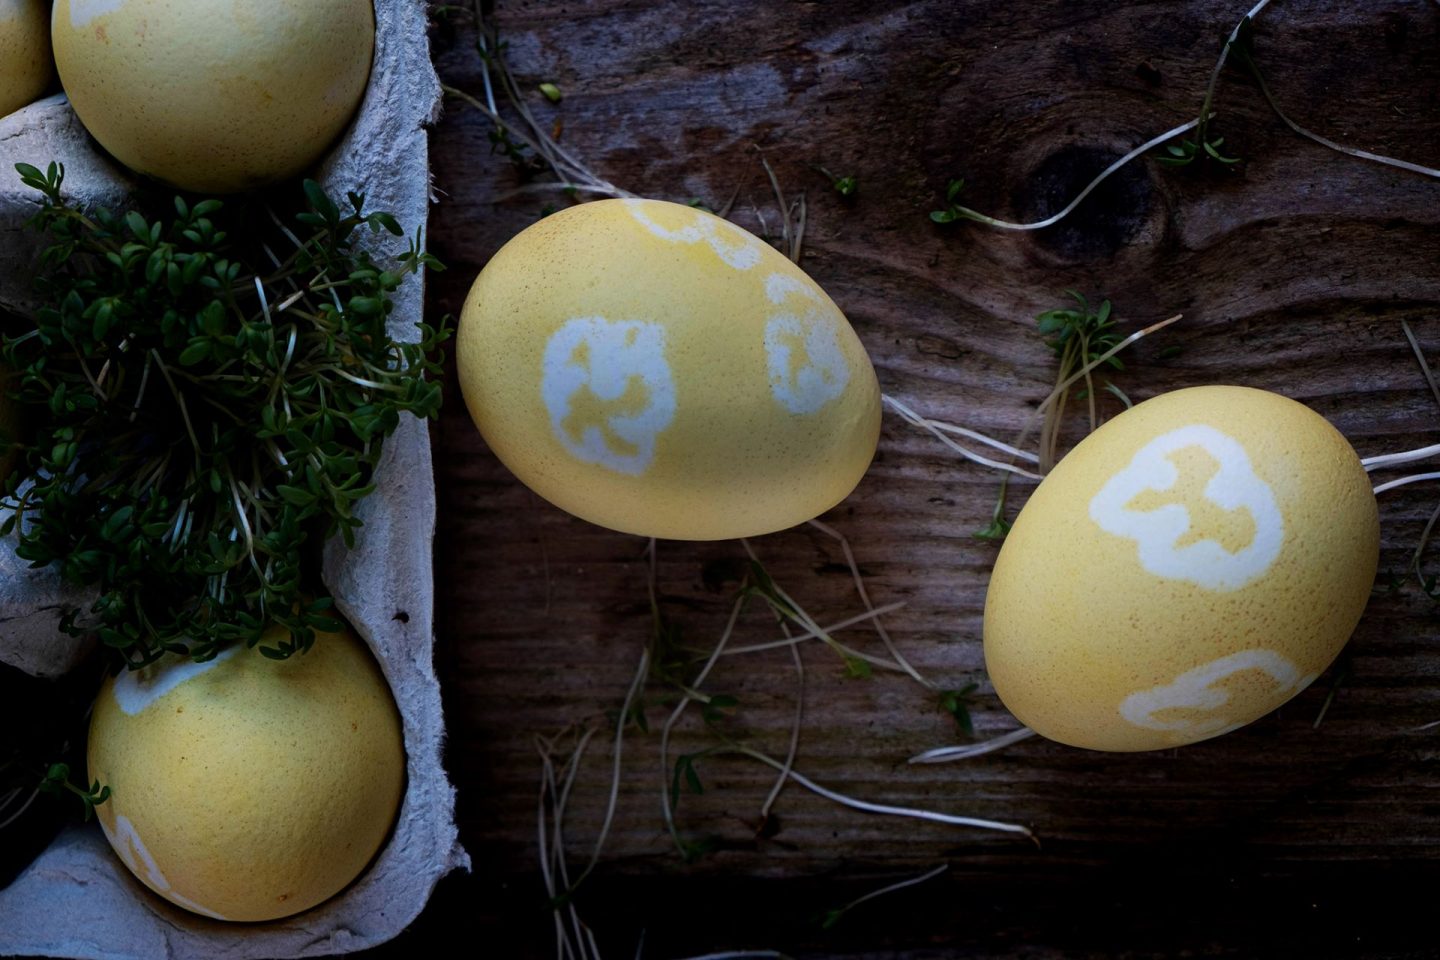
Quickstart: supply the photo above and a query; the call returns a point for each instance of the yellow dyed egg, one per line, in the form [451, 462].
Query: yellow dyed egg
[657, 370]
[1186, 569]
[214, 96]
[246, 788]
[25, 62]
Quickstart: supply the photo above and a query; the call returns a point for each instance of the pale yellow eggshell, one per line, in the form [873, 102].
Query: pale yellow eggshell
[25, 62]
[1186, 569]
[657, 370]
[215, 96]
[247, 788]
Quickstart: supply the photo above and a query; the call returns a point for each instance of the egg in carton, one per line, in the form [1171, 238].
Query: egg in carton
[77, 899]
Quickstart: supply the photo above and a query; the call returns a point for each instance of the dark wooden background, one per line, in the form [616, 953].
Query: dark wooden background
[1294, 271]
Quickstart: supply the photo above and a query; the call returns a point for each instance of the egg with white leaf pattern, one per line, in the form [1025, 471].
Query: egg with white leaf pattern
[658, 370]
[1186, 569]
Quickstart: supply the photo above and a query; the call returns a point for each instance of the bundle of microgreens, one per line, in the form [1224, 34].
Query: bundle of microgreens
[197, 422]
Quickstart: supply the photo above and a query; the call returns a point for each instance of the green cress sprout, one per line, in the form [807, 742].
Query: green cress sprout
[198, 421]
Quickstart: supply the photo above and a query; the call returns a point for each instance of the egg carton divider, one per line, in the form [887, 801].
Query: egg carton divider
[76, 899]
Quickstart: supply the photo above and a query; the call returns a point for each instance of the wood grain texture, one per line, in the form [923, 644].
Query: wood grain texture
[1293, 269]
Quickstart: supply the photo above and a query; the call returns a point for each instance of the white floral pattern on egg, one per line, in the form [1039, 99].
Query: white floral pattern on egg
[732, 245]
[1194, 702]
[1159, 533]
[802, 346]
[609, 390]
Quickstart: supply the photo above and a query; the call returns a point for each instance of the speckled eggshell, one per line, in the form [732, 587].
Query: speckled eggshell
[25, 62]
[247, 788]
[214, 96]
[655, 369]
[1186, 569]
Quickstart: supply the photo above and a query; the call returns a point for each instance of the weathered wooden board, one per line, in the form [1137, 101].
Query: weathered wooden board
[1294, 270]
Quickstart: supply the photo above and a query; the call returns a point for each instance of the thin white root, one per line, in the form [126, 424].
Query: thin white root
[1080, 197]
[665, 731]
[641, 672]
[799, 638]
[881, 808]
[1420, 354]
[1409, 456]
[949, 754]
[1327, 142]
[913, 881]
[808, 622]
[870, 607]
[794, 731]
[940, 433]
[1413, 478]
[9, 799]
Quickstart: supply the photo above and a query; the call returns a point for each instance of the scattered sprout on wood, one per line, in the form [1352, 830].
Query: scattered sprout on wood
[957, 703]
[551, 92]
[530, 145]
[835, 915]
[1083, 339]
[952, 210]
[999, 527]
[1204, 145]
[969, 750]
[198, 424]
[845, 186]
[1245, 53]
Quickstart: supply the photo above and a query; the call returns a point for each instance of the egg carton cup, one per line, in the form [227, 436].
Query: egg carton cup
[76, 899]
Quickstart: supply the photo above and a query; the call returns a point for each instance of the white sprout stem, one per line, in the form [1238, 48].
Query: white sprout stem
[950, 754]
[1433, 723]
[1413, 478]
[23, 807]
[790, 251]
[1025, 455]
[547, 789]
[1424, 541]
[1420, 354]
[881, 808]
[809, 623]
[913, 881]
[794, 731]
[799, 638]
[1409, 456]
[674, 717]
[743, 955]
[640, 673]
[912, 417]
[1327, 142]
[870, 607]
[561, 185]
[1225, 55]
[553, 862]
[1080, 197]
[1075, 377]
[798, 246]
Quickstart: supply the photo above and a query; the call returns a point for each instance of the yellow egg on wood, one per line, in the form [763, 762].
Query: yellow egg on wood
[245, 788]
[1186, 569]
[657, 370]
[25, 62]
[215, 96]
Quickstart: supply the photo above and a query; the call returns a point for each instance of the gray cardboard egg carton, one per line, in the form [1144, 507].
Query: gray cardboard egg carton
[76, 899]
